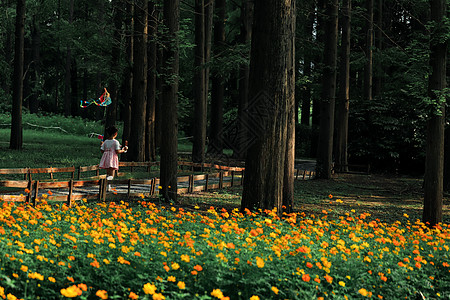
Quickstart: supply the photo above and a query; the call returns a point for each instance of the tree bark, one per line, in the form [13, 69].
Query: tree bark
[325, 149]
[169, 144]
[378, 78]
[434, 163]
[199, 140]
[36, 66]
[113, 87]
[209, 14]
[368, 69]
[127, 84]
[139, 103]
[305, 93]
[16, 139]
[68, 71]
[342, 109]
[272, 86]
[244, 75]
[217, 90]
[150, 145]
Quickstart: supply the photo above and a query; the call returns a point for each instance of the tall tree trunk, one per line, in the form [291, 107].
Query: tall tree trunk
[113, 85]
[198, 147]
[150, 145]
[217, 91]
[305, 93]
[16, 139]
[244, 75]
[292, 119]
[325, 149]
[68, 72]
[159, 86]
[342, 108]
[139, 103]
[36, 69]
[169, 144]
[4, 82]
[378, 78]
[434, 164]
[127, 84]
[74, 87]
[272, 86]
[318, 62]
[368, 69]
[209, 14]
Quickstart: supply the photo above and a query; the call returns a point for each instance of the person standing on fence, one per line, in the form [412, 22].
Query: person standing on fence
[110, 149]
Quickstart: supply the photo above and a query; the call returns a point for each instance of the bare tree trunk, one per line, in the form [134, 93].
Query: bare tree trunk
[16, 139]
[150, 146]
[127, 84]
[342, 109]
[7, 50]
[378, 81]
[158, 108]
[272, 86]
[368, 69]
[325, 149]
[434, 164]
[217, 91]
[244, 75]
[305, 93]
[139, 103]
[169, 144]
[199, 140]
[68, 73]
[36, 69]
[111, 110]
[209, 14]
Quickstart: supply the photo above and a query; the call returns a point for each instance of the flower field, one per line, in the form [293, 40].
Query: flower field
[140, 250]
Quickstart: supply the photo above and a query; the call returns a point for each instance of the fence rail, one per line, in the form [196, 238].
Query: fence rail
[97, 188]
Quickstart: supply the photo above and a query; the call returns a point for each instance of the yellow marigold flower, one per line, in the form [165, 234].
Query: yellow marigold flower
[71, 292]
[259, 262]
[275, 290]
[181, 285]
[106, 261]
[363, 292]
[51, 279]
[217, 293]
[254, 297]
[341, 283]
[102, 294]
[133, 296]
[149, 288]
[158, 296]
[185, 258]
[11, 297]
[24, 268]
[15, 275]
[175, 266]
[171, 278]
[82, 286]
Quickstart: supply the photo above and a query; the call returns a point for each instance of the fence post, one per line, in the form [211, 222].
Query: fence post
[36, 192]
[220, 179]
[129, 188]
[191, 183]
[30, 189]
[232, 178]
[100, 190]
[206, 182]
[69, 197]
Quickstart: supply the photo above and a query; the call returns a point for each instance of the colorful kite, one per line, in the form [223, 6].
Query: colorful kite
[104, 100]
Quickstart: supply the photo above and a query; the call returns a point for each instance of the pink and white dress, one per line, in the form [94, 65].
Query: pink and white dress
[110, 159]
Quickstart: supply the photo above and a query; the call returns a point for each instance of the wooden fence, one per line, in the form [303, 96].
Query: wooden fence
[220, 177]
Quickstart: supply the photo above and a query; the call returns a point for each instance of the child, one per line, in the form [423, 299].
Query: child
[110, 148]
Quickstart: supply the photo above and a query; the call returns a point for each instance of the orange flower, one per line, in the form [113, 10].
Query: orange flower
[198, 268]
[328, 278]
[82, 286]
[330, 196]
[71, 292]
[102, 294]
[133, 296]
[306, 277]
[309, 265]
[259, 262]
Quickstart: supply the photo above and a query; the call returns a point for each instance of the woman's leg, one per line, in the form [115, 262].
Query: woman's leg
[109, 173]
